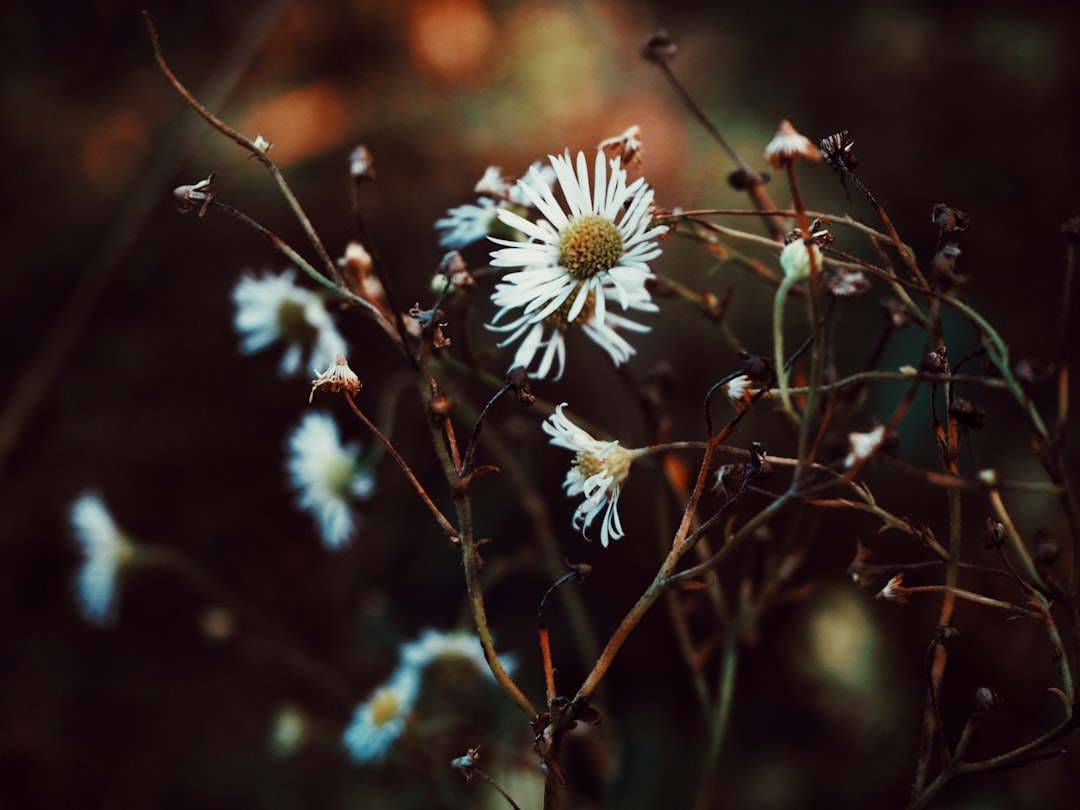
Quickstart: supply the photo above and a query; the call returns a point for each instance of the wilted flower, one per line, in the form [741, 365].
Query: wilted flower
[598, 472]
[741, 391]
[578, 259]
[795, 259]
[105, 551]
[627, 146]
[327, 476]
[894, 590]
[273, 308]
[787, 145]
[338, 377]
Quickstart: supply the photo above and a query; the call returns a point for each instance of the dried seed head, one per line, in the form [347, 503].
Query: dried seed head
[518, 380]
[467, 763]
[756, 367]
[627, 147]
[937, 362]
[844, 283]
[839, 150]
[950, 220]
[787, 145]
[337, 377]
[968, 413]
[196, 195]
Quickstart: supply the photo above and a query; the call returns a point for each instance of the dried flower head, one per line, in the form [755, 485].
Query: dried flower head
[741, 391]
[787, 145]
[839, 150]
[844, 283]
[196, 195]
[659, 48]
[262, 144]
[627, 147]
[598, 472]
[894, 590]
[337, 377]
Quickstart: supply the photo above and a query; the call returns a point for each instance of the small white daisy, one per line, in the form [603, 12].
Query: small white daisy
[577, 259]
[273, 308]
[863, 445]
[433, 645]
[380, 720]
[598, 472]
[466, 224]
[326, 476]
[105, 551]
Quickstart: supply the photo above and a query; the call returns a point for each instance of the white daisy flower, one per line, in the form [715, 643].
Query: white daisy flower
[433, 645]
[379, 721]
[577, 259]
[327, 476]
[598, 472]
[105, 550]
[863, 445]
[273, 308]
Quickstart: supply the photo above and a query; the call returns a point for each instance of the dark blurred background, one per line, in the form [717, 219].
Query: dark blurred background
[122, 375]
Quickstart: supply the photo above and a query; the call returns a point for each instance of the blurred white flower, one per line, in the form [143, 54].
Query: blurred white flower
[470, 223]
[380, 720]
[577, 260]
[434, 644]
[863, 445]
[105, 550]
[598, 472]
[795, 259]
[273, 308]
[327, 477]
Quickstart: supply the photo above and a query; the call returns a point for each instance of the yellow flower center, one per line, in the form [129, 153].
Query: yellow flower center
[559, 318]
[615, 462]
[589, 245]
[385, 706]
[294, 325]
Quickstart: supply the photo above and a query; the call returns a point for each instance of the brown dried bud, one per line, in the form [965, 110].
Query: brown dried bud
[994, 536]
[442, 405]
[518, 380]
[361, 164]
[659, 48]
[937, 362]
[950, 220]
[743, 179]
[985, 700]
[968, 413]
[756, 367]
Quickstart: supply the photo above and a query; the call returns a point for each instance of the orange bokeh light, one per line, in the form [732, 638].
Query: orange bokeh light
[449, 39]
[300, 123]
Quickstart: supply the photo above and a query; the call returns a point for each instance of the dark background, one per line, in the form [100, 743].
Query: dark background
[116, 310]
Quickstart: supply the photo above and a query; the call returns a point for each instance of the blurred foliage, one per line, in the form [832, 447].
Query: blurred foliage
[153, 406]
